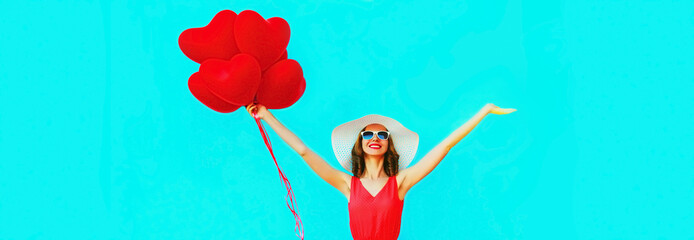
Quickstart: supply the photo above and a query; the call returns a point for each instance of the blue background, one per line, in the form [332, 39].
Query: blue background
[100, 137]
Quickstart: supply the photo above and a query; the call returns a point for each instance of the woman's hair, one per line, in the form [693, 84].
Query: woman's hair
[390, 158]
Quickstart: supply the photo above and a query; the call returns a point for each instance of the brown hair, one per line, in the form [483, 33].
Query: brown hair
[390, 158]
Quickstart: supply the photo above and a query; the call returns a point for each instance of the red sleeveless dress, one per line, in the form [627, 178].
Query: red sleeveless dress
[375, 217]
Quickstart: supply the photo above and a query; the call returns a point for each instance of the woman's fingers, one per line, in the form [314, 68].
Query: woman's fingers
[500, 111]
[251, 108]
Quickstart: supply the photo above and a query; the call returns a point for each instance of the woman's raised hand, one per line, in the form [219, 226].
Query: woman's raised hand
[258, 109]
[497, 110]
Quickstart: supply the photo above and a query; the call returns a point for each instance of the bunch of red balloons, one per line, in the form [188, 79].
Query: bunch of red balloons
[243, 60]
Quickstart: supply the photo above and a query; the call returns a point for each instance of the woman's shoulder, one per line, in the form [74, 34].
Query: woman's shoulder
[349, 178]
[399, 178]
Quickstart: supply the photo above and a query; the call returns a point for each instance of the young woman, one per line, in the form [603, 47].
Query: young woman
[377, 151]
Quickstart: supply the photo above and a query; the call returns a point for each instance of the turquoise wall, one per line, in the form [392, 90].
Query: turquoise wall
[100, 137]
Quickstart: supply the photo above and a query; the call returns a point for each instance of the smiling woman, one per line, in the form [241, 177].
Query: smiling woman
[375, 198]
[377, 151]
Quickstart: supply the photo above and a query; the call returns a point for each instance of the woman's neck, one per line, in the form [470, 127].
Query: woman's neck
[374, 167]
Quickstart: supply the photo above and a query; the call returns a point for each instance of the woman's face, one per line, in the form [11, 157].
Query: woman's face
[375, 146]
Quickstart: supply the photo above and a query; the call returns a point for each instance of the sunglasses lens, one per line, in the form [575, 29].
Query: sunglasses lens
[367, 135]
[383, 135]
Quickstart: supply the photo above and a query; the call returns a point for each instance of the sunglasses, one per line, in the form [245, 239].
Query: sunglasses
[366, 135]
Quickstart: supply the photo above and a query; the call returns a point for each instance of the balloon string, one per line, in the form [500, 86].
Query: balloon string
[290, 193]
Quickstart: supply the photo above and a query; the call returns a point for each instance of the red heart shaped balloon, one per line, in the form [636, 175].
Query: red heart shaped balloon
[216, 40]
[235, 81]
[199, 90]
[282, 85]
[284, 56]
[265, 40]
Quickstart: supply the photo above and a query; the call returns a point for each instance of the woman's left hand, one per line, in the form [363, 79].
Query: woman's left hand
[491, 108]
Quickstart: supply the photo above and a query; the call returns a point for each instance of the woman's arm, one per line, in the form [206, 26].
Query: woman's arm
[334, 177]
[417, 172]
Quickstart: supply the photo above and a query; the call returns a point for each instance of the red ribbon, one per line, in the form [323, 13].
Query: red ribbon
[290, 194]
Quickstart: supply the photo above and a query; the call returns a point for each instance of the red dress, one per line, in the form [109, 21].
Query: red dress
[375, 218]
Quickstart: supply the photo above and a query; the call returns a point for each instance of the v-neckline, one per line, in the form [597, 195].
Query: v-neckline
[379, 191]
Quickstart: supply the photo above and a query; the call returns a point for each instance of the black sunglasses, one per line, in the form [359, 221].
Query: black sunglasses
[366, 135]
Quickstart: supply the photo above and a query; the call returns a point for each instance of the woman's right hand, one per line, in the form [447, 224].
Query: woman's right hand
[259, 109]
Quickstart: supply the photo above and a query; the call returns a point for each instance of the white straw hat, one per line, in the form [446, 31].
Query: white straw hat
[345, 135]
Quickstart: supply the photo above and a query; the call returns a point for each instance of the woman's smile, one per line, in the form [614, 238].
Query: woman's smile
[375, 146]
